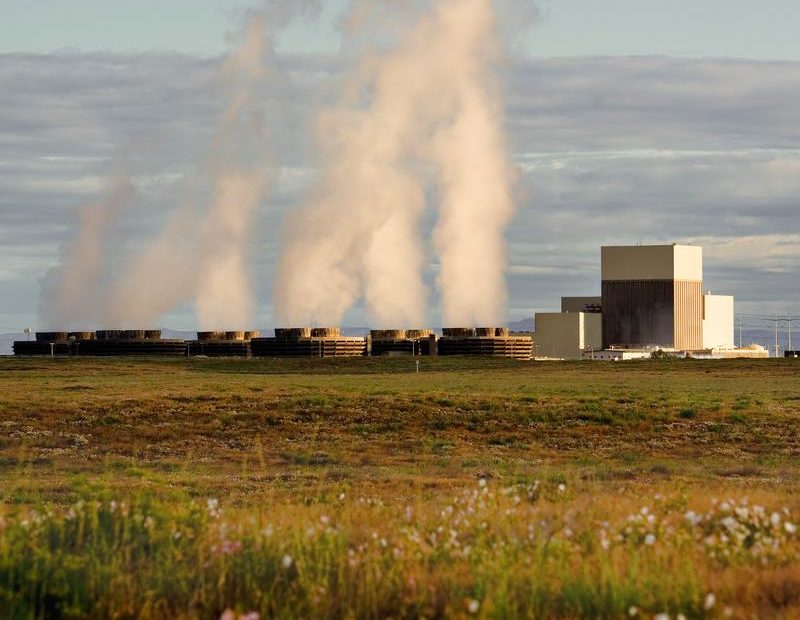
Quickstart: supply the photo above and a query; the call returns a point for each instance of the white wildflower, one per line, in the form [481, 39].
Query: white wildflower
[473, 606]
[287, 561]
[710, 601]
[562, 488]
[775, 519]
[790, 528]
[650, 540]
[633, 611]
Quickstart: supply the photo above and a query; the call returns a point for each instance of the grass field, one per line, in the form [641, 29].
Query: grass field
[361, 489]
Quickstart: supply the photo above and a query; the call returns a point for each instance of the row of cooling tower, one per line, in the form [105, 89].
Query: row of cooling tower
[287, 342]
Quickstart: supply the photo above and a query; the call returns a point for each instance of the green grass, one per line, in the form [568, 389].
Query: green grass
[367, 475]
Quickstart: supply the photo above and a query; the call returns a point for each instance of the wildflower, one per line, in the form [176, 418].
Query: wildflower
[228, 614]
[325, 519]
[341, 497]
[482, 482]
[633, 611]
[661, 616]
[287, 561]
[710, 601]
[212, 505]
[650, 540]
[775, 519]
[562, 487]
[680, 617]
[790, 528]
[250, 615]
[473, 606]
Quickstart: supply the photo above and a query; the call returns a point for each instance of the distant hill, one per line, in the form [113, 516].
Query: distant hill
[524, 325]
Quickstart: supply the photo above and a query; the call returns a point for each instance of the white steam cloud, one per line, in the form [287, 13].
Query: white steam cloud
[201, 254]
[476, 175]
[428, 109]
[70, 294]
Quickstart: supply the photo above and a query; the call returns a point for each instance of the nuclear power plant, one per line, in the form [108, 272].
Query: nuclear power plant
[651, 299]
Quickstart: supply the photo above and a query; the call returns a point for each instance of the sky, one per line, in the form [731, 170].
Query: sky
[630, 121]
[709, 28]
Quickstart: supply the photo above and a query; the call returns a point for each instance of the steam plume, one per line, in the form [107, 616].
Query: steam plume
[201, 253]
[476, 175]
[430, 102]
[70, 293]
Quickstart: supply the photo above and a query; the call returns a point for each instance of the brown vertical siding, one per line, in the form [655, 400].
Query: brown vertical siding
[688, 315]
[638, 313]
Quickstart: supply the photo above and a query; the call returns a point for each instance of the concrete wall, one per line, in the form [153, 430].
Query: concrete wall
[651, 262]
[579, 304]
[567, 334]
[718, 327]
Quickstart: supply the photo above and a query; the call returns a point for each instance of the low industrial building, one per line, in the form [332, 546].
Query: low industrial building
[718, 322]
[568, 335]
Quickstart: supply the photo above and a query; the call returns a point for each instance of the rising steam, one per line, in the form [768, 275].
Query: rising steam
[201, 254]
[427, 106]
[476, 174]
[70, 293]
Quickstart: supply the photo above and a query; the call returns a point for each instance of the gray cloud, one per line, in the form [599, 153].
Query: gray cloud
[612, 150]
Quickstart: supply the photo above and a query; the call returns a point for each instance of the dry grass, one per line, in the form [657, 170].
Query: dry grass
[279, 441]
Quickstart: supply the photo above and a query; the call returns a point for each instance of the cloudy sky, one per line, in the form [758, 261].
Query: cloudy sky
[630, 120]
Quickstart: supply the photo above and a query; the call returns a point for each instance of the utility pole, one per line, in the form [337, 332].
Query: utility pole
[740, 332]
[776, 335]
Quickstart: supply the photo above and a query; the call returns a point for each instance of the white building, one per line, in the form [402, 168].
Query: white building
[718, 325]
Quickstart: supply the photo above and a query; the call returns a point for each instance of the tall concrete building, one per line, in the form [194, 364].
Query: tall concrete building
[652, 295]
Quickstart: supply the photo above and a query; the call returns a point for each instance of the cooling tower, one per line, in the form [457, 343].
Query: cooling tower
[308, 342]
[400, 341]
[102, 343]
[222, 344]
[489, 341]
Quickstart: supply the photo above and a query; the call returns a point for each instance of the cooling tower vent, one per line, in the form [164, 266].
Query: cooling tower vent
[458, 332]
[210, 336]
[388, 334]
[82, 335]
[326, 332]
[109, 334]
[292, 333]
[51, 336]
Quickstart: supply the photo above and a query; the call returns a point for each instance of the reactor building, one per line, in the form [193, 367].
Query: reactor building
[651, 298]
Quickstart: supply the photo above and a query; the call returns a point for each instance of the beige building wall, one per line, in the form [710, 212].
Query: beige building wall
[718, 324]
[566, 335]
[652, 262]
[579, 304]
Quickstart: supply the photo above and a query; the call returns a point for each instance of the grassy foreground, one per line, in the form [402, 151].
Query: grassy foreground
[358, 488]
